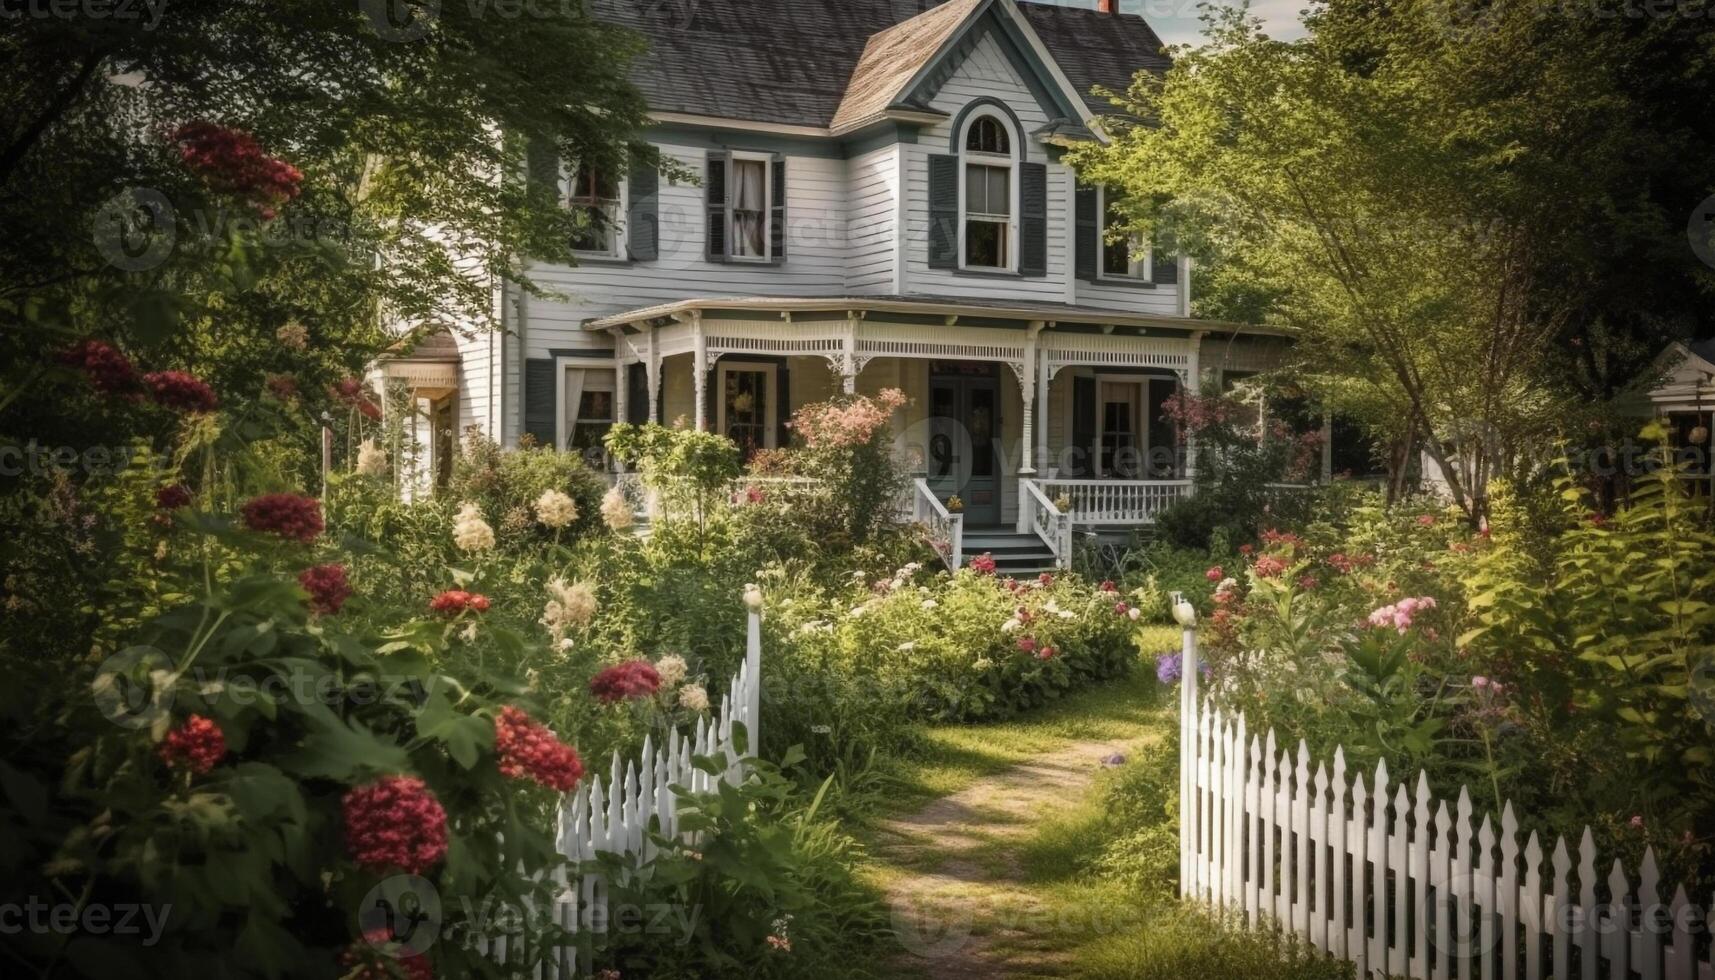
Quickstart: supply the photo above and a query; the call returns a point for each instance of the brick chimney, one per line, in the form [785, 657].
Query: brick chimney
[1108, 6]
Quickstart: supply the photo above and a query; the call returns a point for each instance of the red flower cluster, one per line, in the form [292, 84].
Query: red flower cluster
[1272, 537]
[1269, 566]
[632, 679]
[351, 393]
[285, 514]
[456, 601]
[107, 369]
[1346, 564]
[395, 822]
[327, 586]
[983, 564]
[231, 160]
[367, 960]
[196, 745]
[180, 392]
[173, 497]
[1046, 579]
[1027, 644]
[528, 750]
[1047, 653]
[1109, 586]
[1215, 574]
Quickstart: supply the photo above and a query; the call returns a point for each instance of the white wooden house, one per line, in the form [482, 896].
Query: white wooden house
[882, 204]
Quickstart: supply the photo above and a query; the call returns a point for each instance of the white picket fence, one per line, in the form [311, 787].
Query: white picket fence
[1407, 890]
[614, 816]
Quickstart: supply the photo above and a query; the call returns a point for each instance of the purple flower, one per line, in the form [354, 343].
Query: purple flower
[1169, 667]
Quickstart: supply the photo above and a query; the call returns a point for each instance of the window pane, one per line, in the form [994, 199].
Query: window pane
[749, 209]
[985, 244]
[1000, 193]
[976, 189]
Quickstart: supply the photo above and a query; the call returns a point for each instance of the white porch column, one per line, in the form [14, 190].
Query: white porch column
[1193, 385]
[1043, 383]
[1027, 439]
[652, 371]
[848, 355]
[700, 371]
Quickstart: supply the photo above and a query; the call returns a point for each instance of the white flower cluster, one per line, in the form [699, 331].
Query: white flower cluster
[470, 531]
[569, 606]
[555, 509]
[371, 459]
[616, 510]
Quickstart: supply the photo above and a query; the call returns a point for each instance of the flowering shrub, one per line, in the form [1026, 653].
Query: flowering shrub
[108, 370]
[232, 161]
[625, 681]
[528, 750]
[847, 444]
[395, 824]
[180, 391]
[285, 515]
[327, 587]
[196, 746]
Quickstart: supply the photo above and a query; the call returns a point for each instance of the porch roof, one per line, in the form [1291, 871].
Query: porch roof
[937, 306]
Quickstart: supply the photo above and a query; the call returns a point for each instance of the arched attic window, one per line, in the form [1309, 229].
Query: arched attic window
[989, 201]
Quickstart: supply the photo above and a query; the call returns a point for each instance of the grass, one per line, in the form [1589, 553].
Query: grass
[955, 756]
[1100, 867]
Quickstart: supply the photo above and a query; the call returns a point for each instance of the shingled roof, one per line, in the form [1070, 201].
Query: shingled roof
[794, 62]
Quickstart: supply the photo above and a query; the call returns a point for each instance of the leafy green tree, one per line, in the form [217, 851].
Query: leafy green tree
[1433, 195]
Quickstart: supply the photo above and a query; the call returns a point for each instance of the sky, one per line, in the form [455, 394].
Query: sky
[1177, 22]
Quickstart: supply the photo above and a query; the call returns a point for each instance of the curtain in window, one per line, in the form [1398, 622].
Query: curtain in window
[749, 208]
[574, 397]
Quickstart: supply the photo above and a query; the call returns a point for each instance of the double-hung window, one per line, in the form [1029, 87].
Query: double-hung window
[751, 205]
[591, 409]
[1124, 257]
[988, 195]
[595, 194]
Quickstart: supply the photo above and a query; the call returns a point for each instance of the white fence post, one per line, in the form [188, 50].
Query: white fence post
[1433, 891]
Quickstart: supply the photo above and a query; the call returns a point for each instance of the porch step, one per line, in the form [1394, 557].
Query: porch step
[1015, 555]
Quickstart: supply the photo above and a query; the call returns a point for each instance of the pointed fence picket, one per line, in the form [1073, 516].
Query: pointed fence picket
[615, 816]
[1395, 881]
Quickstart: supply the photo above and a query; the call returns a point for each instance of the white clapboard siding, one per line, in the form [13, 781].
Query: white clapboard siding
[1399, 883]
[615, 816]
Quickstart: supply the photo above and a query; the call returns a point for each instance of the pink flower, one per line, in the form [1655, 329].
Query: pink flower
[1246, 549]
[1047, 653]
[1426, 520]
[1215, 574]
[327, 587]
[1045, 580]
[1120, 609]
[1269, 566]
[180, 392]
[395, 822]
[983, 564]
[528, 750]
[1479, 682]
[1109, 586]
[1400, 614]
[1637, 821]
[197, 746]
[1027, 644]
[108, 370]
[626, 681]
[1308, 583]
[286, 515]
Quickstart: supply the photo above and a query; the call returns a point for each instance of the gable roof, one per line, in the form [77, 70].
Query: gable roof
[798, 62]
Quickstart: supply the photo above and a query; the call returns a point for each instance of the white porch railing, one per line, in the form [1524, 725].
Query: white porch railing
[1387, 877]
[615, 817]
[1127, 502]
[946, 529]
[1046, 520]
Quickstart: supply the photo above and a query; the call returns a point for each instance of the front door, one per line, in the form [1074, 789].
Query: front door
[964, 426]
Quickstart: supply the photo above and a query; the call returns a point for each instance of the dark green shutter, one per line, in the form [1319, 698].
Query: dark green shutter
[1083, 457]
[636, 394]
[777, 220]
[539, 400]
[643, 217]
[719, 213]
[542, 163]
[1163, 259]
[783, 411]
[1033, 219]
[1088, 234]
[943, 211]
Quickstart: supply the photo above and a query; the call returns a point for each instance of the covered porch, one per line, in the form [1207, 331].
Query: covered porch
[1013, 412]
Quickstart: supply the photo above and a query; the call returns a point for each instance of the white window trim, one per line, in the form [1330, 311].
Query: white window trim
[1140, 430]
[568, 170]
[767, 161]
[1141, 270]
[1010, 161]
[771, 418]
[563, 364]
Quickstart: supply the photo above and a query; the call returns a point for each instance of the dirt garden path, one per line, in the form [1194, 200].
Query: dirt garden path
[959, 902]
